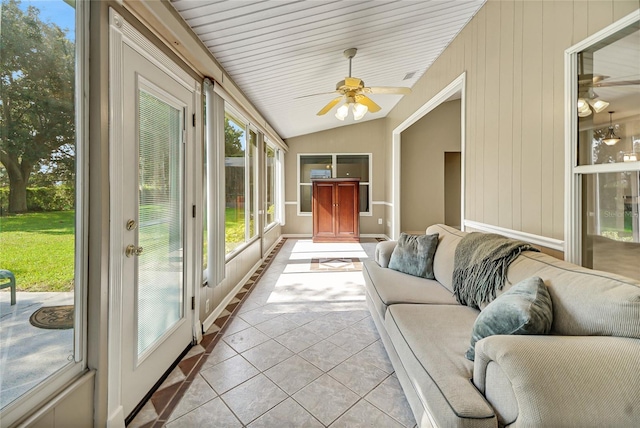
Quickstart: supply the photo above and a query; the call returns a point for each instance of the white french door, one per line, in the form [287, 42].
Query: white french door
[151, 219]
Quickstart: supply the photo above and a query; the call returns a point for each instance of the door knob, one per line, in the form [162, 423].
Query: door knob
[132, 250]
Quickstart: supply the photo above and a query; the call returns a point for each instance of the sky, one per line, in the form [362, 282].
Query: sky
[56, 11]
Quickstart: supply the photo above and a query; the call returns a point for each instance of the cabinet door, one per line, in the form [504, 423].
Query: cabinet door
[323, 201]
[347, 210]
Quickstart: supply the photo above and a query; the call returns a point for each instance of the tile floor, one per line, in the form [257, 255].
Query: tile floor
[295, 348]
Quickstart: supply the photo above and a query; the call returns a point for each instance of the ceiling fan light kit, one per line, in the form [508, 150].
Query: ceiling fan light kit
[353, 91]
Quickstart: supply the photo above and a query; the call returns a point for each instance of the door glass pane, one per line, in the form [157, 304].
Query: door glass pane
[353, 166]
[38, 219]
[160, 174]
[609, 81]
[611, 225]
[234, 165]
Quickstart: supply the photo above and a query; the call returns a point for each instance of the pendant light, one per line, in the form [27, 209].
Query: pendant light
[611, 138]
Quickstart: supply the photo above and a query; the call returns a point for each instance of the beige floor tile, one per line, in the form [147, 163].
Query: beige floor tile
[287, 414]
[220, 352]
[360, 378]
[229, 374]
[375, 355]
[389, 397]
[325, 355]
[276, 326]
[267, 355]
[326, 399]
[236, 325]
[297, 333]
[245, 339]
[364, 415]
[298, 339]
[253, 398]
[199, 392]
[293, 374]
[353, 339]
[211, 414]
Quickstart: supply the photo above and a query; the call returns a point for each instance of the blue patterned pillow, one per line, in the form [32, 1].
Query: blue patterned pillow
[525, 308]
[414, 255]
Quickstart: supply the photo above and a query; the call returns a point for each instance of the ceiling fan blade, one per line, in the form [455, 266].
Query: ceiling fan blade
[362, 99]
[319, 93]
[352, 82]
[387, 90]
[329, 106]
[604, 84]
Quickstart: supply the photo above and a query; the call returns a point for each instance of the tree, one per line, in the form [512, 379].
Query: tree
[36, 97]
[232, 139]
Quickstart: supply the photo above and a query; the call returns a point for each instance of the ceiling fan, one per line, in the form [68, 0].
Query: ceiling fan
[588, 100]
[353, 91]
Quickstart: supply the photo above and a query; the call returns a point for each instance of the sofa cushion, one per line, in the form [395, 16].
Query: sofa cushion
[525, 309]
[585, 302]
[386, 287]
[414, 255]
[430, 341]
[443, 259]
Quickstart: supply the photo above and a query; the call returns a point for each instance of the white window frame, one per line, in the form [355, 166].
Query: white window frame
[276, 185]
[573, 171]
[256, 177]
[48, 387]
[232, 111]
[334, 165]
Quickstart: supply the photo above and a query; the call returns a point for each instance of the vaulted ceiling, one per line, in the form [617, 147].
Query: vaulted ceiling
[279, 50]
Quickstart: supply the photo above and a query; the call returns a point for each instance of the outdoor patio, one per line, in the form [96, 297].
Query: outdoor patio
[28, 355]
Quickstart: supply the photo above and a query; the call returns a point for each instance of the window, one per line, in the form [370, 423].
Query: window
[605, 164]
[235, 182]
[253, 184]
[41, 199]
[270, 170]
[334, 166]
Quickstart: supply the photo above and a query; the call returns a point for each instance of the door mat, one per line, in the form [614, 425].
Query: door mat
[336, 264]
[53, 317]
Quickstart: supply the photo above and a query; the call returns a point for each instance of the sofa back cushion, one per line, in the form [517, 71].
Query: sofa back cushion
[443, 259]
[586, 302]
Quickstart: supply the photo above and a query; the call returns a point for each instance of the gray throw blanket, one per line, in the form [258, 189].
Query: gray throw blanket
[480, 266]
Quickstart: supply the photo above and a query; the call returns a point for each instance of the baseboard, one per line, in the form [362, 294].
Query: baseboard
[373, 235]
[543, 241]
[208, 322]
[296, 236]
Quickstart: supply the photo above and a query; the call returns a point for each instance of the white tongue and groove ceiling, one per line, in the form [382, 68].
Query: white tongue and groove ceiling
[277, 51]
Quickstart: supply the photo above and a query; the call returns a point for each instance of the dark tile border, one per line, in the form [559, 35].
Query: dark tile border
[165, 400]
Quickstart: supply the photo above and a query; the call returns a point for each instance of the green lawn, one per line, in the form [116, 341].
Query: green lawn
[39, 249]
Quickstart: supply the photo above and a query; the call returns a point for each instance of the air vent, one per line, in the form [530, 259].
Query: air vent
[409, 75]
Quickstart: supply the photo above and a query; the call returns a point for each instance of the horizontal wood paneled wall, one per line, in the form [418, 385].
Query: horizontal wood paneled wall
[513, 54]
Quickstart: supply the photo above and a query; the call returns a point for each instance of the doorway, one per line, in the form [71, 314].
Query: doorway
[452, 186]
[454, 91]
[152, 263]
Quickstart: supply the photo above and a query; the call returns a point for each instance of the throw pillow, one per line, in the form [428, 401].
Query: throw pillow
[525, 308]
[414, 255]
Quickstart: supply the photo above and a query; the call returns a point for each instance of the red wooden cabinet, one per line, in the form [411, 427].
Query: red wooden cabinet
[336, 210]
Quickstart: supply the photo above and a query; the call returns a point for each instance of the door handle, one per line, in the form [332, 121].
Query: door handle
[132, 250]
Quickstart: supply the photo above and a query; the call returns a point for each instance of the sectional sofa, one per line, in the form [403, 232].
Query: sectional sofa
[585, 373]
